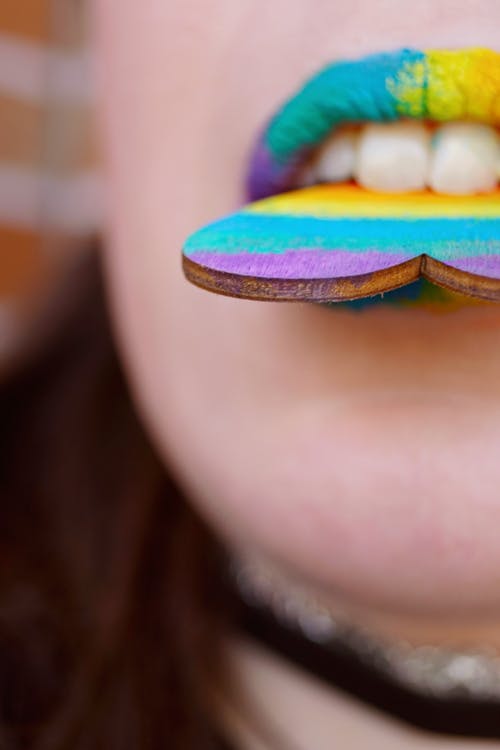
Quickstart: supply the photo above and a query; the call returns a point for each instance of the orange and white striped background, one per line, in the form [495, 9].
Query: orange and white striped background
[49, 187]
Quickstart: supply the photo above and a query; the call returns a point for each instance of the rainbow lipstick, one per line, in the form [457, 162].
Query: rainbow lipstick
[341, 242]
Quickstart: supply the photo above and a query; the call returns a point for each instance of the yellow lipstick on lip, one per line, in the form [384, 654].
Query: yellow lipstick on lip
[450, 85]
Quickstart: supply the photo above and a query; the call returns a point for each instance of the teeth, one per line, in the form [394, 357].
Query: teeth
[456, 158]
[337, 157]
[393, 157]
[464, 159]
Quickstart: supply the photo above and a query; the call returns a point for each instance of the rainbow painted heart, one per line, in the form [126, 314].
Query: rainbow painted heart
[341, 242]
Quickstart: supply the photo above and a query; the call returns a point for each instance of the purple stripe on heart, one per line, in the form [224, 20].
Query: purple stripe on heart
[482, 265]
[300, 264]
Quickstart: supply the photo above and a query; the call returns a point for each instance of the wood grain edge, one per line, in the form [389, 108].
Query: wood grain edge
[471, 285]
[302, 290]
[345, 288]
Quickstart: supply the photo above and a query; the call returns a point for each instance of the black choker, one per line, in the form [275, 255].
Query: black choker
[463, 706]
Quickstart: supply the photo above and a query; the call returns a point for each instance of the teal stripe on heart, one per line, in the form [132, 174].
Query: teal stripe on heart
[441, 238]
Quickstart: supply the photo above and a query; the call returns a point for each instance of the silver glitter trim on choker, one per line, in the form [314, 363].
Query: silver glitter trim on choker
[429, 670]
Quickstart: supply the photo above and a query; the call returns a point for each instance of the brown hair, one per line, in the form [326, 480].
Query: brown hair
[110, 607]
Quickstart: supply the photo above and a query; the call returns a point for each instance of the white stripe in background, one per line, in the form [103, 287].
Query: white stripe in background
[37, 73]
[29, 200]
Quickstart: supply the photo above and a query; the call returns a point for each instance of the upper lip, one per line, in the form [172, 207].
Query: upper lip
[436, 85]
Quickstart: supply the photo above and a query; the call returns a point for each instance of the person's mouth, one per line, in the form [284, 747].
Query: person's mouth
[403, 154]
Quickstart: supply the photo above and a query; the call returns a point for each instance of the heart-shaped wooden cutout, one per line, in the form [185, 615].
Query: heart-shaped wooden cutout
[332, 243]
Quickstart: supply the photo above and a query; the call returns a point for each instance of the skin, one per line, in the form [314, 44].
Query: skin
[357, 451]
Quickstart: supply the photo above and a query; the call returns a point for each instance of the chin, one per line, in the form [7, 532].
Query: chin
[388, 504]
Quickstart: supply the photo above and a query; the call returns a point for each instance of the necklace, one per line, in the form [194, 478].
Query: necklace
[435, 688]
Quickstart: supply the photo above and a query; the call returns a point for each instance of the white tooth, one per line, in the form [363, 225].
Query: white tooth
[335, 162]
[464, 159]
[393, 157]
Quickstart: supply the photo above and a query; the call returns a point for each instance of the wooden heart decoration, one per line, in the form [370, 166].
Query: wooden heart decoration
[340, 242]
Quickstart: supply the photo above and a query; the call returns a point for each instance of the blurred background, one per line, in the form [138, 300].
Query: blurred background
[49, 186]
